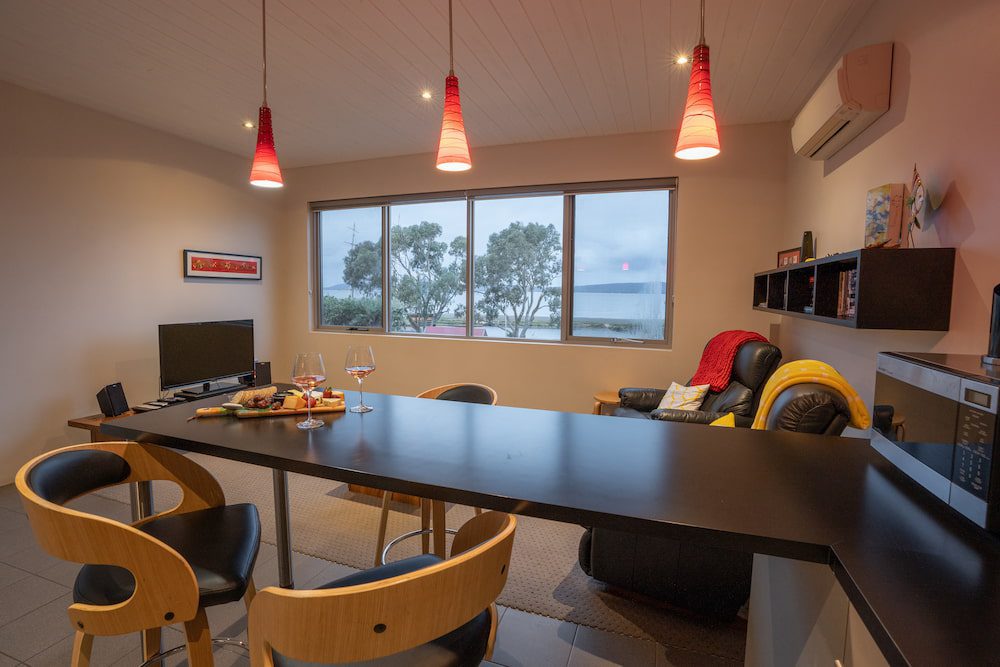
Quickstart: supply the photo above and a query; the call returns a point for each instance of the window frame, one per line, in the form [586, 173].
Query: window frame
[568, 191]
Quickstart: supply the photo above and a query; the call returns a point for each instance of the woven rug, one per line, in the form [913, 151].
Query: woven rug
[330, 522]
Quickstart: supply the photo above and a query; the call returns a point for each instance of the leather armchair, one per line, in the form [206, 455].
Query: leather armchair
[755, 362]
[706, 580]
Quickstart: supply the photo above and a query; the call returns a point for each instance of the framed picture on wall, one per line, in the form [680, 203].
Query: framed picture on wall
[207, 264]
[790, 256]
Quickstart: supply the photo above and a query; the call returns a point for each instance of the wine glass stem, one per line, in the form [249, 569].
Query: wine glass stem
[309, 407]
[361, 388]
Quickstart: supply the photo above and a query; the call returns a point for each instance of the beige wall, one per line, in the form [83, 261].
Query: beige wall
[95, 214]
[729, 212]
[944, 118]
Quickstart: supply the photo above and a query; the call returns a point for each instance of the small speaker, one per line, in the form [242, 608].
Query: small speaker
[112, 400]
[261, 373]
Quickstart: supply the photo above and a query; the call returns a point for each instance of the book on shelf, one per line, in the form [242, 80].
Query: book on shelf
[847, 294]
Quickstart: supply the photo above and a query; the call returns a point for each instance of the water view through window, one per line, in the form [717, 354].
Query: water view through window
[523, 281]
[620, 264]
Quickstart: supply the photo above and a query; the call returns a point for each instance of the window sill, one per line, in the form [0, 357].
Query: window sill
[659, 346]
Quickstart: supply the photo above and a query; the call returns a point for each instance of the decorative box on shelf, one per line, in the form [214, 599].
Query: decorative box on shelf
[872, 288]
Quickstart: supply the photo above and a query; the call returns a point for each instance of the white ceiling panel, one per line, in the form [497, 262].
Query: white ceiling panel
[345, 76]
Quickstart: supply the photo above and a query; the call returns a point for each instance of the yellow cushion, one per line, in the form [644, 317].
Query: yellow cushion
[727, 420]
[679, 397]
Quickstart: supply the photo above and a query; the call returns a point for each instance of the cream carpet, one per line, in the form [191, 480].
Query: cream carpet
[330, 522]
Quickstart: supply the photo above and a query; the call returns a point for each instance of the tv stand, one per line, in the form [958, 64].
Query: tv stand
[206, 390]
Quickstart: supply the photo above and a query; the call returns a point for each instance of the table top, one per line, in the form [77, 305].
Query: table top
[904, 558]
[93, 422]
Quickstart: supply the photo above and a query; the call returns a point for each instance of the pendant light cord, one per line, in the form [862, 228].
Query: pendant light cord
[702, 22]
[263, 30]
[451, 43]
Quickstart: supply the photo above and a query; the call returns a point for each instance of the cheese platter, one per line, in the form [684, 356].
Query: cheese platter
[268, 402]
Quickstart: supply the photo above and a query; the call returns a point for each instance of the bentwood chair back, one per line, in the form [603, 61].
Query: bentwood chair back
[466, 392]
[132, 580]
[378, 617]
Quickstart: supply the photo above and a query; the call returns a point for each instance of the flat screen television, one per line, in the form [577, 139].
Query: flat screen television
[202, 352]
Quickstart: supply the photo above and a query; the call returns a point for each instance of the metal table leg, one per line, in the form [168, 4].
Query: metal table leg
[282, 529]
[141, 495]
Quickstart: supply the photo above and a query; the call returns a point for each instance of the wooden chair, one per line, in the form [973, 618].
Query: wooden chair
[421, 610]
[465, 392]
[160, 570]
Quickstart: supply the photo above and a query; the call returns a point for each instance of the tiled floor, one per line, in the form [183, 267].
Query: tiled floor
[35, 590]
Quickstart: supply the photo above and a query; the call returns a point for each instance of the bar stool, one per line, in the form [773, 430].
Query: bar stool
[432, 521]
[161, 570]
[422, 610]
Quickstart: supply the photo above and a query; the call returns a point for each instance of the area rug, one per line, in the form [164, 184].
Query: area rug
[330, 522]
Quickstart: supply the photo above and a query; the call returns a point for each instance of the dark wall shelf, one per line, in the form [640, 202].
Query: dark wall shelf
[891, 289]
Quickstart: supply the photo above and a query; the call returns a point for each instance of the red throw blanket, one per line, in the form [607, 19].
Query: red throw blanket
[716, 365]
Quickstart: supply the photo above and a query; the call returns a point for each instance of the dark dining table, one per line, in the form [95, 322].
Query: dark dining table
[813, 498]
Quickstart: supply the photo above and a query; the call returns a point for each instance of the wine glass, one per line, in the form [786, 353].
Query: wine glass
[308, 373]
[360, 364]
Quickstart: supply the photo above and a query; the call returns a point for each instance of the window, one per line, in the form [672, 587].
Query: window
[620, 265]
[350, 267]
[427, 258]
[517, 269]
[575, 263]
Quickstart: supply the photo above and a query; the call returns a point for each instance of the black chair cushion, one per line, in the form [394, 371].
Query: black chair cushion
[464, 646]
[67, 475]
[736, 398]
[467, 393]
[220, 543]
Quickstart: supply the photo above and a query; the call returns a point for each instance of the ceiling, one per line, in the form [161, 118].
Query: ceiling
[345, 76]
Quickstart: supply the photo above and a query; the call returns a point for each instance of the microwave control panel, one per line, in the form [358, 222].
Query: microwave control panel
[974, 450]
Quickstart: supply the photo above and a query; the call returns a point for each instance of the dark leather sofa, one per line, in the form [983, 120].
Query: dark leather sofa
[755, 362]
[703, 579]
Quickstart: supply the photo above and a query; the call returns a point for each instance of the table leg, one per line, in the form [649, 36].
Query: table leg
[437, 512]
[282, 530]
[141, 496]
[425, 524]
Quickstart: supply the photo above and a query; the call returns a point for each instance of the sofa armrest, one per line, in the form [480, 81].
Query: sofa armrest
[640, 398]
[696, 416]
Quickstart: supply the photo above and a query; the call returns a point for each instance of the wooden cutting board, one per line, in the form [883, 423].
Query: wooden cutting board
[251, 414]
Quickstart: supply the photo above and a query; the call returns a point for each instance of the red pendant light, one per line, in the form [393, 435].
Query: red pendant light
[453, 149]
[699, 134]
[265, 171]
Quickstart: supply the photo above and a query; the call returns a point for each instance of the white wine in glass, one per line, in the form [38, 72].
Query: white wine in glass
[308, 372]
[360, 363]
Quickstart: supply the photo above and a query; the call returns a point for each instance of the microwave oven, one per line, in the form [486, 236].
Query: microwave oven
[935, 418]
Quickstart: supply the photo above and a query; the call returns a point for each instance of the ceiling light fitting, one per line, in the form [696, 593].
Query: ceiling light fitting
[265, 171]
[698, 138]
[453, 148]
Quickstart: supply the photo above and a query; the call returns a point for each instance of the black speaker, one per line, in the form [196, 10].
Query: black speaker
[112, 400]
[261, 373]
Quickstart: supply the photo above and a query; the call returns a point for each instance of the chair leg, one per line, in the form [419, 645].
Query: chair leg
[383, 522]
[82, 644]
[249, 594]
[478, 510]
[425, 524]
[199, 641]
[151, 642]
[494, 624]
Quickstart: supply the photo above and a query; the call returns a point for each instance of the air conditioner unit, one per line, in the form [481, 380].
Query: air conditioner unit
[850, 99]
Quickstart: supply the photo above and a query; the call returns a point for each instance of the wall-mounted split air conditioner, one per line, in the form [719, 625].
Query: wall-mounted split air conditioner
[850, 99]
